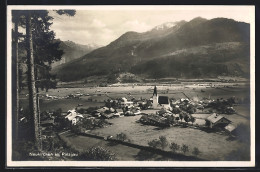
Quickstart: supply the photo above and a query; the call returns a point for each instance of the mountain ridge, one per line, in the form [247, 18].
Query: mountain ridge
[133, 51]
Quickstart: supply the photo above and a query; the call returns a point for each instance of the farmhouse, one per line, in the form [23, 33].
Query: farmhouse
[160, 102]
[217, 121]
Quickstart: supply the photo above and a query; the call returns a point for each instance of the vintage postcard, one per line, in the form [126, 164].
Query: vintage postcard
[130, 86]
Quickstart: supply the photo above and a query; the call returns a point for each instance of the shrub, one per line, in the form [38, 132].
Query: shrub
[196, 151]
[176, 110]
[174, 147]
[121, 137]
[98, 154]
[187, 118]
[161, 143]
[154, 143]
[184, 148]
[77, 129]
[164, 142]
[192, 119]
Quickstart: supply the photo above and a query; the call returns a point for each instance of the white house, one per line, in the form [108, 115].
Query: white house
[126, 103]
[73, 116]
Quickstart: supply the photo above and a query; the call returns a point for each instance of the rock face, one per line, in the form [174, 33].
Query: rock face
[194, 49]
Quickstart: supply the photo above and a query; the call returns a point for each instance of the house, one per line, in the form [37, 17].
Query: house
[118, 113]
[126, 103]
[160, 102]
[216, 120]
[73, 117]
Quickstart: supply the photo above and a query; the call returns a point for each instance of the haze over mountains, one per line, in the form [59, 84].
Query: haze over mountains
[73, 51]
[195, 49]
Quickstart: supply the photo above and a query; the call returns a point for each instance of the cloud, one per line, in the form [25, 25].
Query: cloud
[97, 24]
[104, 26]
[136, 25]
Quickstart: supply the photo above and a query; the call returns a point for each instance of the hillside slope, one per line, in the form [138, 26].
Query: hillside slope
[73, 51]
[198, 48]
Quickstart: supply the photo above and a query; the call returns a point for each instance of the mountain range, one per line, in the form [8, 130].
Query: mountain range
[73, 51]
[195, 49]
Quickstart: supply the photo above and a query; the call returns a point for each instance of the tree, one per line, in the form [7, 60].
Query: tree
[37, 24]
[187, 118]
[174, 147]
[181, 116]
[184, 148]
[121, 136]
[15, 54]
[164, 142]
[154, 143]
[161, 143]
[31, 79]
[192, 119]
[196, 151]
[98, 154]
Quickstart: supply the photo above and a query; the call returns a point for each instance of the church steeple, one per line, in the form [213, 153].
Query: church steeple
[155, 91]
[155, 97]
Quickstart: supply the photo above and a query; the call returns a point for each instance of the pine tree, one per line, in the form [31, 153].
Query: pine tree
[41, 49]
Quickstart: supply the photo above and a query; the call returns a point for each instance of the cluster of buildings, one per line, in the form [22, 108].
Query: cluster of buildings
[164, 115]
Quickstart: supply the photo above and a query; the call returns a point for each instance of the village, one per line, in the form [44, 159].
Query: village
[119, 118]
[158, 110]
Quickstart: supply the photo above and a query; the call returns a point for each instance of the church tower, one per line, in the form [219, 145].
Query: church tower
[155, 97]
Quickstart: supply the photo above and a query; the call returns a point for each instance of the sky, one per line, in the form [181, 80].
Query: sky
[102, 25]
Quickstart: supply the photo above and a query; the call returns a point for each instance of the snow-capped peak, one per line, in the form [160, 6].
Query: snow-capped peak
[165, 26]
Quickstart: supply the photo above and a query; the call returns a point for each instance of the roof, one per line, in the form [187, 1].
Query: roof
[155, 91]
[103, 109]
[215, 118]
[119, 110]
[163, 100]
[230, 127]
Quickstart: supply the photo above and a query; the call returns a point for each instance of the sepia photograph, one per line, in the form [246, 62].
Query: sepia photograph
[130, 86]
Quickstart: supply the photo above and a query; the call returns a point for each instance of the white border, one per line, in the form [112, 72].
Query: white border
[11, 163]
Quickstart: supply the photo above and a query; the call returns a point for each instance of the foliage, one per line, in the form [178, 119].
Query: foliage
[78, 128]
[170, 120]
[164, 142]
[121, 137]
[223, 106]
[21, 150]
[192, 119]
[174, 147]
[184, 148]
[112, 78]
[154, 143]
[182, 115]
[196, 151]
[98, 154]
[161, 143]
[175, 110]
[187, 118]
[91, 109]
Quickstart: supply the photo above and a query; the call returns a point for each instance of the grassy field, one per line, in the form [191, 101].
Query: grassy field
[212, 145]
[123, 153]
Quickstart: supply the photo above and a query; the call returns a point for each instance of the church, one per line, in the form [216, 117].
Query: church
[160, 102]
